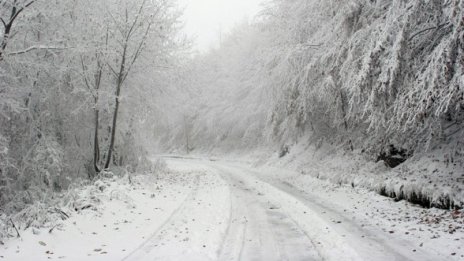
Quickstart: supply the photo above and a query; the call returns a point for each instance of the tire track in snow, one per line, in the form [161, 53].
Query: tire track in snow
[196, 230]
[367, 246]
[146, 247]
[267, 233]
[231, 238]
[229, 224]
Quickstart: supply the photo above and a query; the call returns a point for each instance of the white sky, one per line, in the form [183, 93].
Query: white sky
[205, 19]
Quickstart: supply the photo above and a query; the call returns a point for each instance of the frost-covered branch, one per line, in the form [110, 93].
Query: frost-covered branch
[36, 48]
[428, 29]
[16, 10]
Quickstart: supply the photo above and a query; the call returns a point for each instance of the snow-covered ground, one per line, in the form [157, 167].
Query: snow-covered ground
[433, 178]
[206, 209]
[121, 217]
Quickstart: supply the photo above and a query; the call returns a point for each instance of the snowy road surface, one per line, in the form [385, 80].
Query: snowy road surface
[218, 210]
[231, 214]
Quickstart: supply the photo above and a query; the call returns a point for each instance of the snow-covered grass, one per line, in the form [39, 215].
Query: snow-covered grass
[105, 217]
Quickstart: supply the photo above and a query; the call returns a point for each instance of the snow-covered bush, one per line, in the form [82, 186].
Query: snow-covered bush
[52, 209]
[5, 187]
[46, 164]
[159, 166]
[3, 226]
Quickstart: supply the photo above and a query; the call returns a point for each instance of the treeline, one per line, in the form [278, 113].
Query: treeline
[371, 75]
[76, 82]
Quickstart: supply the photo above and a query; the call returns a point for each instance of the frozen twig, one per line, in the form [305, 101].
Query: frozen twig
[14, 226]
[33, 48]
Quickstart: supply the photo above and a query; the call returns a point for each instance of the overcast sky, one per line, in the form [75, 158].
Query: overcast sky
[205, 19]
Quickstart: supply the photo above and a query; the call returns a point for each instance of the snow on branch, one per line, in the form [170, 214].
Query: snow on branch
[34, 48]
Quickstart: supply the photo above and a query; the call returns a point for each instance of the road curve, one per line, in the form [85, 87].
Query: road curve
[232, 214]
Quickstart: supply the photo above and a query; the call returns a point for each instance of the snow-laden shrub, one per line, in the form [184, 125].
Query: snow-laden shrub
[159, 166]
[45, 164]
[3, 226]
[52, 209]
[3, 147]
[5, 186]
[37, 215]
[131, 154]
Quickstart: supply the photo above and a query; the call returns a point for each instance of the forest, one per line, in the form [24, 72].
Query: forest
[89, 88]
[368, 75]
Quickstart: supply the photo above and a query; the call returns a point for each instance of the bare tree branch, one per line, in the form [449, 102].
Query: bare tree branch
[428, 29]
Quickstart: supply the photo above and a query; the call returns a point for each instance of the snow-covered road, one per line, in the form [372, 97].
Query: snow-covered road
[206, 209]
[232, 214]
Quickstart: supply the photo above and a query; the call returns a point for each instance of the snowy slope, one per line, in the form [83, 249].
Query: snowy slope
[429, 179]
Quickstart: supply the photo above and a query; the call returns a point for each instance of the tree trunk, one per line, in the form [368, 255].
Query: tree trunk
[186, 133]
[96, 143]
[113, 131]
[120, 80]
[6, 35]
[343, 100]
[96, 148]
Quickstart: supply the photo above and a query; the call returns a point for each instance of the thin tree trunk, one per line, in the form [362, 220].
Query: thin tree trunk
[343, 107]
[113, 131]
[96, 149]
[98, 79]
[186, 133]
[343, 104]
[124, 70]
[343, 99]
[6, 35]
[120, 81]
[96, 87]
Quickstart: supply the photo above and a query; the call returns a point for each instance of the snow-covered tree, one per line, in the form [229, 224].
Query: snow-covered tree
[367, 75]
[65, 69]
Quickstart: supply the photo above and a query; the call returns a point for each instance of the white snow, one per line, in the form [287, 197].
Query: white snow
[125, 217]
[205, 209]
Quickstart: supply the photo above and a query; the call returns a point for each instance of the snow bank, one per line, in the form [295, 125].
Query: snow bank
[430, 179]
